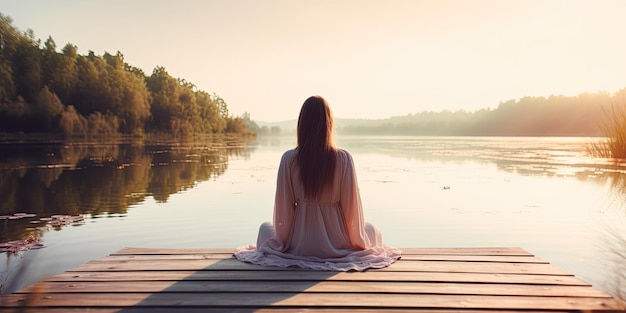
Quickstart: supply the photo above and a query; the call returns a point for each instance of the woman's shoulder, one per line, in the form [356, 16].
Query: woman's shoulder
[344, 155]
[289, 155]
[290, 152]
[343, 152]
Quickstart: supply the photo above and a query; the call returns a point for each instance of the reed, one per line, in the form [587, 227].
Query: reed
[616, 283]
[613, 128]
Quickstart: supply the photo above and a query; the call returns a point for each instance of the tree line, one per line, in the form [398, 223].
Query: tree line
[43, 90]
[556, 115]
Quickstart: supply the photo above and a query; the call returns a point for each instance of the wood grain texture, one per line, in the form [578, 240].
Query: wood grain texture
[210, 280]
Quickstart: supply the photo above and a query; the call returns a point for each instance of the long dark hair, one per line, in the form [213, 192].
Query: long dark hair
[316, 156]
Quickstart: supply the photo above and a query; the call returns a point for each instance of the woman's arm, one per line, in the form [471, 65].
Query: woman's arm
[284, 203]
[350, 203]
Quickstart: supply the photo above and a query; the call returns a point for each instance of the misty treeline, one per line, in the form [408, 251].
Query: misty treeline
[43, 90]
[581, 115]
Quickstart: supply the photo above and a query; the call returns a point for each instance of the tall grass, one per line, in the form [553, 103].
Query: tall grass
[615, 284]
[613, 128]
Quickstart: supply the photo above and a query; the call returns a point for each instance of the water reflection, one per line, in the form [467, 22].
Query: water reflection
[49, 179]
[544, 156]
[543, 194]
[556, 159]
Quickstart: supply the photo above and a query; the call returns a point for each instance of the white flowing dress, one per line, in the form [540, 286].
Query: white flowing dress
[327, 233]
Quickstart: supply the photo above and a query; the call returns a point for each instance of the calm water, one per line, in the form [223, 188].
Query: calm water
[545, 195]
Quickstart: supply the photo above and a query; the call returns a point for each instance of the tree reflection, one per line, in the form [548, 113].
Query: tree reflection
[528, 156]
[73, 179]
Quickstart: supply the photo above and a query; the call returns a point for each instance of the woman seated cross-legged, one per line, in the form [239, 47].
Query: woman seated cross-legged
[318, 218]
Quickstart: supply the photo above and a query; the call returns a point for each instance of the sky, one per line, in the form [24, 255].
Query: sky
[369, 58]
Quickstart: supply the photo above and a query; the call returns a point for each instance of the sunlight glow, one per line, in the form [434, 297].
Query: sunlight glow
[370, 59]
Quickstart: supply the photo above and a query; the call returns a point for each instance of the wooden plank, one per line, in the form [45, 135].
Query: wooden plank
[472, 258]
[231, 309]
[306, 300]
[152, 257]
[413, 266]
[411, 257]
[318, 287]
[372, 276]
[157, 251]
[442, 280]
[510, 251]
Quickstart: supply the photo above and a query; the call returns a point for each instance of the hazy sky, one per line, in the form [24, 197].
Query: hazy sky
[369, 59]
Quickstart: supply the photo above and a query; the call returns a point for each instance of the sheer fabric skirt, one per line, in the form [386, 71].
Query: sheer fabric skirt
[317, 253]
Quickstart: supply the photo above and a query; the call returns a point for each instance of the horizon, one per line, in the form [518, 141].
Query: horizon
[369, 59]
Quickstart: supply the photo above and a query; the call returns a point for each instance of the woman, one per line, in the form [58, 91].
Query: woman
[318, 218]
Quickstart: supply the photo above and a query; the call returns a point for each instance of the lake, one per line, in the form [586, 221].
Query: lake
[86, 200]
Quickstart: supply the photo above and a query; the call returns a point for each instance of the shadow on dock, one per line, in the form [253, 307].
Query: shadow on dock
[480, 279]
[230, 286]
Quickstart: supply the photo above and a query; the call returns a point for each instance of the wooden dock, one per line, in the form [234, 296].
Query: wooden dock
[210, 280]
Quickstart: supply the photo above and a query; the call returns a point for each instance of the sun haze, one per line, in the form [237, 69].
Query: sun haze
[370, 59]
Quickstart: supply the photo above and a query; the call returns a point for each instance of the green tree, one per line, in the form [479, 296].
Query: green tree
[129, 97]
[26, 67]
[12, 114]
[102, 126]
[235, 125]
[47, 110]
[7, 88]
[136, 104]
[164, 90]
[212, 120]
[50, 58]
[250, 124]
[62, 73]
[8, 41]
[72, 123]
[42, 89]
[89, 94]
[189, 111]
